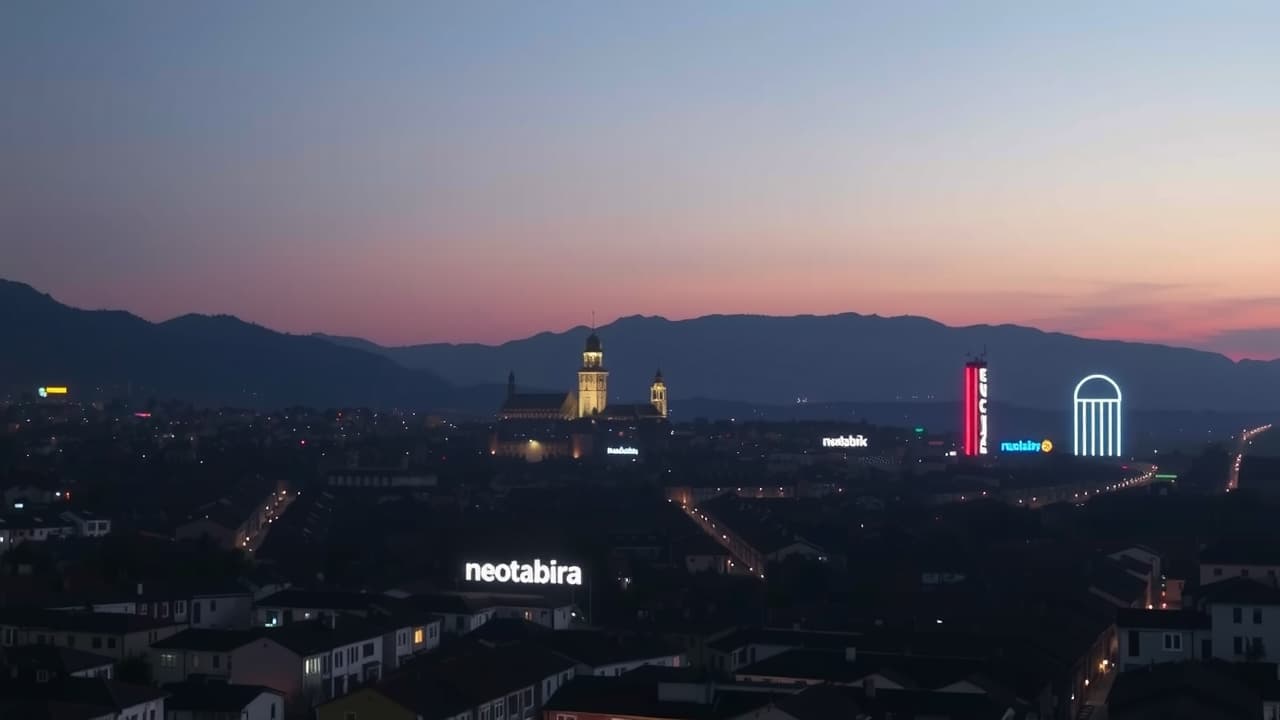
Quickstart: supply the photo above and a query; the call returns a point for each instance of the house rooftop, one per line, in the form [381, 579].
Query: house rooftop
[1134, 618]
[206, 640]
[1240, 590]
[74, 621]
[213, 697]
[106, 696]
[1216, 693]
[1241, 552]
[53, 658]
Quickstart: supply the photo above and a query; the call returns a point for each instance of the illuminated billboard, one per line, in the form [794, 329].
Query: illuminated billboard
[1027, 446]
[50, 390]
[846, 441]
[976, 427]
[535, 573]
[1095, 421]
[622, 451]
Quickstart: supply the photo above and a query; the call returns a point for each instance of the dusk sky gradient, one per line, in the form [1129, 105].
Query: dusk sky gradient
[481, 171]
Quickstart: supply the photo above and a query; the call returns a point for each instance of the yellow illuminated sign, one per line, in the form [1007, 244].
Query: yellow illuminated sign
[1046, 446]
[52, 390]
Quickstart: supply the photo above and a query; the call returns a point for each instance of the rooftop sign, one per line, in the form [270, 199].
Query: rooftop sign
[621, 451]
[1027, 446]
[528, 574]
[51, 390]
[846, 441]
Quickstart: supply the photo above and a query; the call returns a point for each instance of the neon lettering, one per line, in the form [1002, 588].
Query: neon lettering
[847, 441]
[535, 573]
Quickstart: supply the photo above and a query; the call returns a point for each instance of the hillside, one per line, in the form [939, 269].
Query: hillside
[858, 358]
[207, 360]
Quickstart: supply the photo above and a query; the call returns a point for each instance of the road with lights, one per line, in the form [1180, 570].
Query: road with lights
[1242, 444]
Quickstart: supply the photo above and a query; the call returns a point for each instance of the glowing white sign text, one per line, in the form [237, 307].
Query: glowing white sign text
[847, 441]
[529, 574]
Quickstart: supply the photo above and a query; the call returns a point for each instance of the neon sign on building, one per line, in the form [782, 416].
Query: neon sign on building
[1027, 446]
[846, 441]
[976, 427]
[621, 451]
[1095, 421]
[535, 573]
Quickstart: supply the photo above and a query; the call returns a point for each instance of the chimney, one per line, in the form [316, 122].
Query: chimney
[869, 688]
[850, 654]
[139, 589]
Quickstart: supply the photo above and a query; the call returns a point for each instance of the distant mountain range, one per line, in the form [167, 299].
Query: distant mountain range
[854, 358]
[217, 360]
[724, 365]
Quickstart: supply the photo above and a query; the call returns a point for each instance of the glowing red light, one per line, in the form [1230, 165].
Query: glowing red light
[970, 399]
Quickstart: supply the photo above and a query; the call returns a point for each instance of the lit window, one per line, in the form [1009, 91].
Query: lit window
[313, 666]
[418, 636]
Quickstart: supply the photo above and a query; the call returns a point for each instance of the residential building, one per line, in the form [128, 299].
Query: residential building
[51, 661]
[217, 701]
[197, 653]
[471, 682]
[1148, 637]
[114, 635]
[90, 698]
[597, 652]
[306, 662]
[654, 694]
[1181, 691]
[87, 524]
[228, 608]
[1256, 560]
[18, 528]
[463, 612]
[407, 629]
[1245, 617]
[236, 519]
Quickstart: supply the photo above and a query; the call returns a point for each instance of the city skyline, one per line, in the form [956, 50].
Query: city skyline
[403, 176]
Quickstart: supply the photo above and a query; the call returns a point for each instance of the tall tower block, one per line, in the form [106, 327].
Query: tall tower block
[658, 394]
[976, 428]
[593, 379]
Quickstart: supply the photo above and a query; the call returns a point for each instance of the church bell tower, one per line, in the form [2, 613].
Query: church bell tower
[593, 379]
[658, 394]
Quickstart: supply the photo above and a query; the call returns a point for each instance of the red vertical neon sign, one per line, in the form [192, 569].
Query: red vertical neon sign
[970, 392]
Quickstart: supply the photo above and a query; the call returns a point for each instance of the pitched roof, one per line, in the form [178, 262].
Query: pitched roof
[596, 648]
[1241, 552]
[1240, 590]
[535, 401]
[819, 703]
[206, 640]
[52, 657]
[320, 599]
[630, 411]
[1127, 618]
[72, 621]
[1159, 686]
[90, 692]
[310, 638]
[623, 696]
[444, 683]
[213, 697]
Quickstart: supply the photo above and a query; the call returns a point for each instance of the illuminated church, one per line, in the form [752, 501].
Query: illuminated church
[590, 401]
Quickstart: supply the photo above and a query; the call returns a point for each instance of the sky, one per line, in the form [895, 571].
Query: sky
[481, 171]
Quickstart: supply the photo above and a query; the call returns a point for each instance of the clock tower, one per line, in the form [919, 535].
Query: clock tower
[593, 379]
